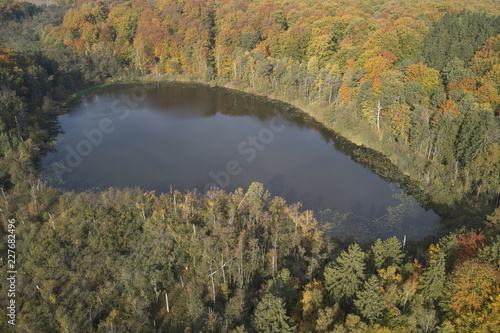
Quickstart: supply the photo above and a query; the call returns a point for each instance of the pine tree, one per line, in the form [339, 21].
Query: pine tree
[270, 316]
[445, 138]
[343, 278]
[282, 286]
[458, 36]
[385, 253]
[433, 278]
[369, 302]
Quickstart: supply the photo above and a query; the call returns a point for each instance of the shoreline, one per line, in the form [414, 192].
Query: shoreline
[365, 153]
[360, 153]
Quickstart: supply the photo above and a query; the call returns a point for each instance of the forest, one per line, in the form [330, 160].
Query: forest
[417, 81]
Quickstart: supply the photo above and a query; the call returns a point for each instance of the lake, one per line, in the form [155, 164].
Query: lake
[186, 137]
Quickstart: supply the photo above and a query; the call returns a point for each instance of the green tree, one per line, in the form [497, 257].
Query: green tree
[282, 286]
[472, 140]
[493, 223]
[454, 71]
[369, 301]
[433, 278]
[344, 276]
[413, 92]
[446, 136]
[458, 36]
[270, 316]
[392, 87]
[385, 253]
[491, 253]
[249, 40]
[366, 94]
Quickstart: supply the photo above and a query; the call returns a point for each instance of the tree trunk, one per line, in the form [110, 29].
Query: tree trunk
[5, 198]
[32, 185]
[379, 109]
[51, 220]
[218, 61]
[212, 279]
[139, 60]
[222, 267]
[166, 301]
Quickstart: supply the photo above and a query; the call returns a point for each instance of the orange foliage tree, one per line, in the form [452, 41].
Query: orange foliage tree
[468, 244]
[449, 106]
[374, 67]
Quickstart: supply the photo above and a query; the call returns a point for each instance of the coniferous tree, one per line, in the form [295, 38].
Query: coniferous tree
[458, 36]
[433, 278]
[282, 286]
[270, 316]
[344, 276]
[369, 301]
[385, 253]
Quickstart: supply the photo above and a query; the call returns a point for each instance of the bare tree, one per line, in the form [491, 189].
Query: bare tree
[377, 114]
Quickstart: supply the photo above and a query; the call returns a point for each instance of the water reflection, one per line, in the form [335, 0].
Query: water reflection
[192, 137]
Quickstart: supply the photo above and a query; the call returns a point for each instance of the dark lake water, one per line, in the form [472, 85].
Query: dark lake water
[194, 137]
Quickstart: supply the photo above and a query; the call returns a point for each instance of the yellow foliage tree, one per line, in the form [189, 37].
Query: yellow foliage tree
[428, 77]
[401, 121]
[472, 297]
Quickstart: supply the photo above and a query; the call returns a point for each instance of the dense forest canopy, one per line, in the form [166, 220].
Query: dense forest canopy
[418, 81]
